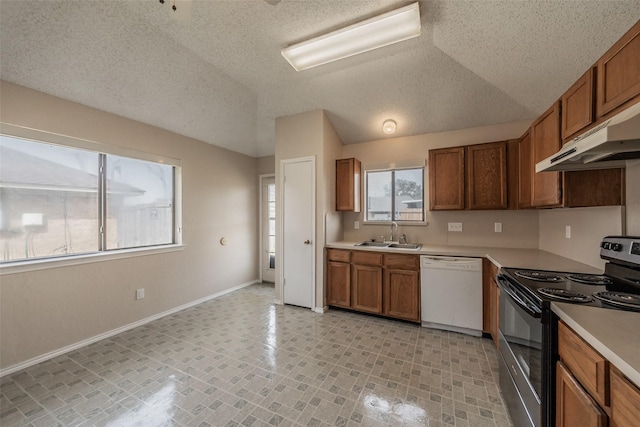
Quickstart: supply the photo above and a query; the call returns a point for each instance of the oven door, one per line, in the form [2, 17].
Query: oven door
[521, 333]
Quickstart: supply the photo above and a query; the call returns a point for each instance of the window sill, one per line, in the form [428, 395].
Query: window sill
[400, 223]
[43, 264]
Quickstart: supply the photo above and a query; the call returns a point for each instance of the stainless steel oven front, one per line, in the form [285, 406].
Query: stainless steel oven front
[521, 348]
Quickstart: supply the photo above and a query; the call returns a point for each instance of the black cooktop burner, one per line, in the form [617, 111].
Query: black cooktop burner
[590, 279]
[564, 295]
[539, 276]
[620, 299]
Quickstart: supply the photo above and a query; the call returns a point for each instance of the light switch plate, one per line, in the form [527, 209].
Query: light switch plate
[567, 231]
[455, 226]
[497, 227]
[140, 293]
[356, 225]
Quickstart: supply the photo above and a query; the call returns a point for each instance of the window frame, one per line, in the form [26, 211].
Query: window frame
[103, 150]
[393, 169]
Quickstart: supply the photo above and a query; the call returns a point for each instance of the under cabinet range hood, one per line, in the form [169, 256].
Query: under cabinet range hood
[607, 145]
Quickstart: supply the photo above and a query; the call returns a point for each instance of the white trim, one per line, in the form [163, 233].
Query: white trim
[321, 310]
[55, 353]
[83, 144]
[261, 179]
[277, 301]
[65, 261]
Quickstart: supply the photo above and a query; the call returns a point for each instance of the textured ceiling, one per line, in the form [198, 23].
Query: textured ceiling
[213, 69]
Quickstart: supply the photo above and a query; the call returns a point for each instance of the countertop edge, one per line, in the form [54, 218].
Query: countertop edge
[631, 372]
[529, 258]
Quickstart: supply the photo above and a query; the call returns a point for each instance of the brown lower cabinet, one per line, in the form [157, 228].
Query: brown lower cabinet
[574, 405]
[376, 282]
[367, 288]
[590, 391]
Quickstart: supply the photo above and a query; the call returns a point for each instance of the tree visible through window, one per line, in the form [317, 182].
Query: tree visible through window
[395, 195]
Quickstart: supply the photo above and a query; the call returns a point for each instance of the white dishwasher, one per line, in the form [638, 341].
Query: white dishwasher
[451, 293]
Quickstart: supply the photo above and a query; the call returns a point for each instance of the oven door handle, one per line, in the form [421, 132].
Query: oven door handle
[522, 302]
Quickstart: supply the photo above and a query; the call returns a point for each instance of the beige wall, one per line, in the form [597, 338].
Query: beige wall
[520, 228]
[266, 165]
[43, 311]
[633, 198]
[588, 227]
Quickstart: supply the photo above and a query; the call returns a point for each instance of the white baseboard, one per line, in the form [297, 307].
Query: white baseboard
[277, 301]
[321, 309]
[55, 353]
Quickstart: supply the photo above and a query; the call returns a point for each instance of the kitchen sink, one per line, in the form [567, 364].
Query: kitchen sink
[406, 245]
[390, 245]
[374, 244]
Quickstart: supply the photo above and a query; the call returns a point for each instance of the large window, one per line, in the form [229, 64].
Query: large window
[394, 195]
[59, 200]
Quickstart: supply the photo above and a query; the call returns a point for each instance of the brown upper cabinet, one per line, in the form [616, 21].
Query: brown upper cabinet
[478, 172]
[619, 73]
[348, 185]
[577, 105]
[525, 171]
[487, 176]
[545, 141]
[446, 179]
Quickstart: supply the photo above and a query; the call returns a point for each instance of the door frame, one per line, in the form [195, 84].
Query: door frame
[261, 195]
[280, 229]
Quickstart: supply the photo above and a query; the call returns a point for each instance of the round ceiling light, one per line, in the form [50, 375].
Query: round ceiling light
[389, 127]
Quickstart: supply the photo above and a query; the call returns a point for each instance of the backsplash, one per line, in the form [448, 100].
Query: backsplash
[519, 229]
[587, 228]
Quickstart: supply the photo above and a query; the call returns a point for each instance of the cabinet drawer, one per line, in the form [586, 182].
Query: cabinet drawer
[339, 255]
[366, 258]
[586, 364]
[625, 401]
[402, 262]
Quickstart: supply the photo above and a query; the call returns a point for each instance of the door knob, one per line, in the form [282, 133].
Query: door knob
[307, 242]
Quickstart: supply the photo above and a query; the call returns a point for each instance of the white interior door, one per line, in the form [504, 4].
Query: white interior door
[268, 253]
[298, 224]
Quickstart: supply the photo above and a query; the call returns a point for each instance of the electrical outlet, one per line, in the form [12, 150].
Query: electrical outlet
[356, 225]
[567, 231]
[455, 226]
[139, 293]
[497, 227]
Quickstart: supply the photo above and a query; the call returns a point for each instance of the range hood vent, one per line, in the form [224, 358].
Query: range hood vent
[608, 145]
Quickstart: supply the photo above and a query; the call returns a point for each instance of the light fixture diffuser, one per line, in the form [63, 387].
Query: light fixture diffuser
[389, 127]
[383, 30]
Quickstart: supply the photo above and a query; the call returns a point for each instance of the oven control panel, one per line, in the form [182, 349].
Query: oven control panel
[621, 248]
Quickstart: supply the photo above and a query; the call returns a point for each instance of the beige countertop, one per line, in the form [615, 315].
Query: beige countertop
[613, 333]
[534, 259]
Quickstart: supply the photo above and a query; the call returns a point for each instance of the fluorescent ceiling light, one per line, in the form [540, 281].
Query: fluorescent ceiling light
[383, 30]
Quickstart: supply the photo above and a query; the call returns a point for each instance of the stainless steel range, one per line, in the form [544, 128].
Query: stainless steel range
[528, 328]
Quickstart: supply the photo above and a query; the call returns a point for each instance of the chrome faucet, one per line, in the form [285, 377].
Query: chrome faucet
[393, 225]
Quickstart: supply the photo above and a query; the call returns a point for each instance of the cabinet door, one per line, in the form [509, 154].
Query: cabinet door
[577, 105]
[625, 401]
[487, 176]
[339, 284]
[366, 288]
[574, 407]
[446, 179]
[525, 169]
[601, 187]
[402, 294]
[545, 140]
[586, 364]
[619, 72]
[348, 185]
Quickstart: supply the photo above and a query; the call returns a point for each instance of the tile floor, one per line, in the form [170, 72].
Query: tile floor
[240, 360]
